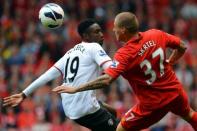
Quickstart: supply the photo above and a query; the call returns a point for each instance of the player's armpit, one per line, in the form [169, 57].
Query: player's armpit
[177, 53]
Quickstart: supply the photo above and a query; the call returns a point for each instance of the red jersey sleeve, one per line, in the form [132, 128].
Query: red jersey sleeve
[171, 40]
[119, 64]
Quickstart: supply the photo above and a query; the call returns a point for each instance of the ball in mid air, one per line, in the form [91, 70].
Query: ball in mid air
[51, 15]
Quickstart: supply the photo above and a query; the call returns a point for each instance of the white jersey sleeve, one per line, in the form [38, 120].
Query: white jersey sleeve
[49, 75]
[99, 54]
[59, 65]
[55, 71]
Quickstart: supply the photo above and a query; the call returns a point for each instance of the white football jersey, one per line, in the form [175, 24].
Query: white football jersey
[78, 66]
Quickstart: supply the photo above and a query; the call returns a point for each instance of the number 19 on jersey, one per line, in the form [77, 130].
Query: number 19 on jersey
[71, 69]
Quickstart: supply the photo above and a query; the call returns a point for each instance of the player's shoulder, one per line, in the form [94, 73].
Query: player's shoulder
[154, 31]
[129, 49]
[125, 52]
[91, 45]
[95, 44]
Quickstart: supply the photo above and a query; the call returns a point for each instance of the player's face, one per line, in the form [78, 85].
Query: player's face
[95, 34]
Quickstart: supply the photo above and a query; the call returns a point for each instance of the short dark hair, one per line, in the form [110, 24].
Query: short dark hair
[84, 25]
[129, 21]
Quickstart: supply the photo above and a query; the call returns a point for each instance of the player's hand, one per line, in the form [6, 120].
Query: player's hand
[65, 89]
[13, 100]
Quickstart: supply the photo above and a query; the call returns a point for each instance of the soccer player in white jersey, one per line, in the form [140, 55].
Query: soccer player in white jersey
[79, 65]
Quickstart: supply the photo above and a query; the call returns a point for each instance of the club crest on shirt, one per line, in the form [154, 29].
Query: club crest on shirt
[102, 53]
[114, 64]
[110, 122]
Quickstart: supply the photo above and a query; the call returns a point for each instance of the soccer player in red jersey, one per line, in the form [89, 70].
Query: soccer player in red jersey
[142, 61]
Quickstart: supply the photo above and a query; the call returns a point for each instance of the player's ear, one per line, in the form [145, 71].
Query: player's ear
[123, 30]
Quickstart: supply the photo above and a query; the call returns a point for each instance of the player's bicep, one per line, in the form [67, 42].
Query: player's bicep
[118, 67]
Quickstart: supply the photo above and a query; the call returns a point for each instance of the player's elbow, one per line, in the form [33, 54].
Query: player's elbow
[183, 47]
[107, 80]
[107, 83]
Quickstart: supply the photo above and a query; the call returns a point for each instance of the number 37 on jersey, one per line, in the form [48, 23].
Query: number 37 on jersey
[149, 70]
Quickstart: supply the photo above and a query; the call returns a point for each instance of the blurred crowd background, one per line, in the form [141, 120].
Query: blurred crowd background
[27, 50]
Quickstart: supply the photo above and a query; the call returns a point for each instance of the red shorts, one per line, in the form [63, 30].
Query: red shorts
[135, 119]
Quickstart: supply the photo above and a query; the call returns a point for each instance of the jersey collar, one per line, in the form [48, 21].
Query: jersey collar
[135, 39]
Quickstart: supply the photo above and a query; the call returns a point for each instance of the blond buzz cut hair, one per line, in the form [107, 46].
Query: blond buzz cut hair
[127, 20]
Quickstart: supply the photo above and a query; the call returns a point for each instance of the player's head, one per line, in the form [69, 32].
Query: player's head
[125, 25]
[90, 31]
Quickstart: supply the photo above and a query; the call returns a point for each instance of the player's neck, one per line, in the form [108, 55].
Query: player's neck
[135, 36]
[131, 36]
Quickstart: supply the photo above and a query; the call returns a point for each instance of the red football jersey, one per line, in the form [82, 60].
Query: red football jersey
[143, 63]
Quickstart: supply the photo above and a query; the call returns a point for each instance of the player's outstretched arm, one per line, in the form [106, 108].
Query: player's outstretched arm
[14, 100]
[177, 53]
[101, 82]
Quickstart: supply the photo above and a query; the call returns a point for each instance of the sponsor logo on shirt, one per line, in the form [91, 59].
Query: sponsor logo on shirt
[114, 64]
[102, 53]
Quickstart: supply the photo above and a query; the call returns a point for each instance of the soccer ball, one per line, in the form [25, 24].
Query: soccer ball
[51, 15]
